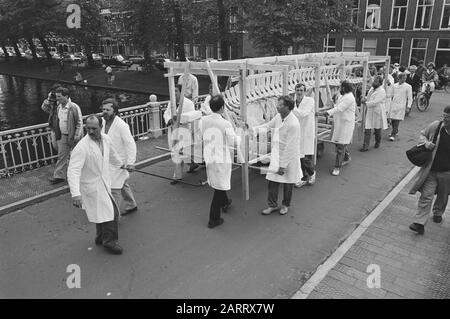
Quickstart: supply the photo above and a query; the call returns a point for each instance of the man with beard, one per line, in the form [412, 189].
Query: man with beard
[90, 183]
[375, 113]
[125, 146]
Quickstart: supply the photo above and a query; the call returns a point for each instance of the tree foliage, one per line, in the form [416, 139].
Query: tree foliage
[275, 25]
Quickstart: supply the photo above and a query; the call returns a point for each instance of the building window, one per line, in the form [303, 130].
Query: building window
[329, 44]
[370, 45]
[355, 11]
[210, 51]
[423, 14]
[233, 19]
[445, 24]
[418, 50]
[443, 53]
[349, 44]
[373, 14]
[187, 50]
[395, 49]
[399, 14]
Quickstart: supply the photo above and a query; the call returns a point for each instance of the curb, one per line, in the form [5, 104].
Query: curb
[323, 269]
[7, 209]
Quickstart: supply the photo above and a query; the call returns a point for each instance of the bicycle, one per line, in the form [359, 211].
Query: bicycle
[423, 99]
[444, 83]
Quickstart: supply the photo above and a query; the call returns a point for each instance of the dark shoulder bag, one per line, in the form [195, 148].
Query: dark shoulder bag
[419, 155]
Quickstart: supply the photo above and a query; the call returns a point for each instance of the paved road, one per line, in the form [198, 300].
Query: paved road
[169, 251]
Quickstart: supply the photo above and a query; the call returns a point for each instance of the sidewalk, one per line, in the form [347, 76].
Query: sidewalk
[34, 184]
[411, 266]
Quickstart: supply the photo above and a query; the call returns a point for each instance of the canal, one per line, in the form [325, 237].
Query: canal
[21, 100]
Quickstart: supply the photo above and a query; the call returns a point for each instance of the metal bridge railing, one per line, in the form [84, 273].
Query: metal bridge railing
[30, 147]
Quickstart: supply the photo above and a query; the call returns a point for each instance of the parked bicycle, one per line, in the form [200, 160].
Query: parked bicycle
[423, 99]
[444, 83]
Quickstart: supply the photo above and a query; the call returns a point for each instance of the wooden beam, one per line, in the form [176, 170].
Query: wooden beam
[244, 118]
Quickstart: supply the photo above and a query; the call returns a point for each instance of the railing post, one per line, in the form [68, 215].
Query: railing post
[155, 123]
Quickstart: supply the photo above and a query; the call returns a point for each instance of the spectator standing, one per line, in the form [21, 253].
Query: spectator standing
[69, 130]
[434, 177]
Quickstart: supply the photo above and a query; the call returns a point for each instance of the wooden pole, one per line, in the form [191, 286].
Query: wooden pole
[243, 115]
[363, 94]
[316, 102]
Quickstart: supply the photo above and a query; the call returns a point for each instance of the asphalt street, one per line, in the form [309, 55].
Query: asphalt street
[170, 253]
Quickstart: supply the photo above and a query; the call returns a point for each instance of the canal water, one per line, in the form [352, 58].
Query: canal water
[21, 100]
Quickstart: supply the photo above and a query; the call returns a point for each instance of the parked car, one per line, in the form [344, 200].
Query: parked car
[71, 58]
[136, 59]
[97, 57]
[117, 60]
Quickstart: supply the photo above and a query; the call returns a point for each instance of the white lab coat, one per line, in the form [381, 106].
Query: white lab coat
[205, 108]
[125, 146]
[389, 89]
[191, 91]
[285, 150]
[218, 139]
[89, 177]
[401, 99]
[376, 111]
[188, 106]
[305, 113]
[344, 119]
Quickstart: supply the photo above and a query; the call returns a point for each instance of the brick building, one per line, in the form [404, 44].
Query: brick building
[407, 30]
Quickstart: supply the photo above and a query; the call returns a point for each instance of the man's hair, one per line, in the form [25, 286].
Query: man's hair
[287, 101]
[431, 64]
[347, 87]
[402, 69]
[401, 75]
[447, 109]
[216, 103]
[55, 87]
[179, 87]
[114, 103]
[63, 91]
[379, 78]
[299, 85]
[95, 117]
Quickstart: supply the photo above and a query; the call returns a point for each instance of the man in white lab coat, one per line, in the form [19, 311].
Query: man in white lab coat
[304, 110]
[191, 91]
[284, 165]
[170, 120]
[89, 180]
[218, 137]
[125, 146]
[343, 114]
[375, 114]
[401, 101]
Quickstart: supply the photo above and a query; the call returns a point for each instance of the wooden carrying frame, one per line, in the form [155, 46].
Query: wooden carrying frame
[274, 76]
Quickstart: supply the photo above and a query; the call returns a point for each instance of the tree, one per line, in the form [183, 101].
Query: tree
[149, 24]
[92, 25]
[275, 25]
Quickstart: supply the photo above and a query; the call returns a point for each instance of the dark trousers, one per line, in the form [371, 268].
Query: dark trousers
[395, 125]
[307, 166]
[273, 194]
[342, 154]
[109, 231]
[368, 134]
[220, 199]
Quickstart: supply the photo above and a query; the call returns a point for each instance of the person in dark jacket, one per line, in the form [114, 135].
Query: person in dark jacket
[434, 177]
[414, 79]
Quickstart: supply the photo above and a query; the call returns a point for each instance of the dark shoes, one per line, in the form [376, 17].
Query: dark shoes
[225, 208]
[364, 149]
[193, 168]
[54, 181]
[418, 228]
[216, 223]
[377, 145]
[98, 241]
[437, 219]
[174, 182]
[130, 211]
[114, 248]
